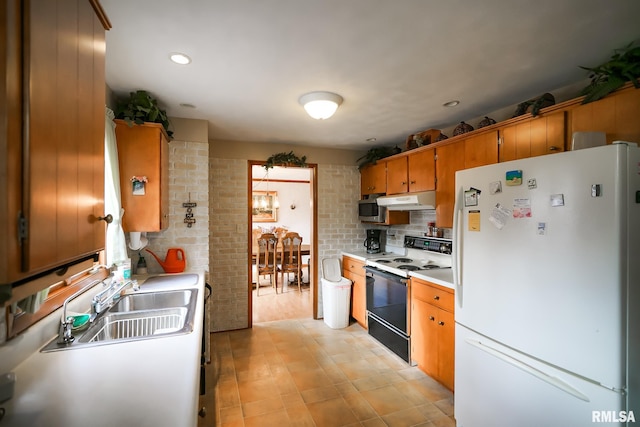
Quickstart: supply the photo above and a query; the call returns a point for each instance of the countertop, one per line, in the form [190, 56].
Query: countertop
[442, 277]
[152, 382]
[363, 255]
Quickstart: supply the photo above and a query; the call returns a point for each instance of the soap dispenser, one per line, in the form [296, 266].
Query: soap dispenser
[141, 267]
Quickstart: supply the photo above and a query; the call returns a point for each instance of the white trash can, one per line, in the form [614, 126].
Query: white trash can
[336, 294]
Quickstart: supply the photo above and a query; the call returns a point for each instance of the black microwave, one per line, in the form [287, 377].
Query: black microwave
[369, 211]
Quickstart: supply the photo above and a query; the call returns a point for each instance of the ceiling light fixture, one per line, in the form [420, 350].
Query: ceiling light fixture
[320, 105]
[180, 58]
[451, 103]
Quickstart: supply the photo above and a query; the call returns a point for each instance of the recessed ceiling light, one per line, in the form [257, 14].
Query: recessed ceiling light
[451, 103]
[180, 58]
[186, 105]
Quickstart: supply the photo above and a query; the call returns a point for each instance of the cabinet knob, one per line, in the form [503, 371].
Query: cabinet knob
[404, 182]
[437, 298]
[553, 148]
[432, 318]
[108, 218]
[412, 182]
[441, 323]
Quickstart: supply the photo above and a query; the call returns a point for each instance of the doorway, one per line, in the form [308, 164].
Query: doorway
[282, 199]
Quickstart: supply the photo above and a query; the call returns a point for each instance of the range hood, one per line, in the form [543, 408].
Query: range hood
[409, 201]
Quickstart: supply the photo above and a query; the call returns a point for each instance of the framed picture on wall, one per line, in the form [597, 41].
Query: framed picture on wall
[264, 206]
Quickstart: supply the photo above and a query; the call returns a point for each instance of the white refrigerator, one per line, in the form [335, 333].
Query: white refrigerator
[547, 281]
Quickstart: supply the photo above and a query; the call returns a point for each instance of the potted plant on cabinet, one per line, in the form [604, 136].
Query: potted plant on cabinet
[141, 107]
[624, 66]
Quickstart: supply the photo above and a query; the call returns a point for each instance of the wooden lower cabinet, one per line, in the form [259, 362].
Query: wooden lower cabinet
[432, 330]
[353, 269]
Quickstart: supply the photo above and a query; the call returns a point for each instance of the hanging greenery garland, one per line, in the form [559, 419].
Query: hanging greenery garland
[285, 159]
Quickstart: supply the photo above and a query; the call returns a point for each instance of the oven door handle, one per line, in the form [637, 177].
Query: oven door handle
[390, 276]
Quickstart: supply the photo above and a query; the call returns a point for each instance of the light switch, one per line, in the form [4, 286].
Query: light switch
[596, 190]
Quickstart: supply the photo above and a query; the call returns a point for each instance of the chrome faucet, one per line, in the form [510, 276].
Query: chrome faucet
[66, 322]
[100, 302]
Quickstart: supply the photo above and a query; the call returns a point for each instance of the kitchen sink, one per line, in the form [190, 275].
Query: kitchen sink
[154, 300]
[137, 316]
[133, 325]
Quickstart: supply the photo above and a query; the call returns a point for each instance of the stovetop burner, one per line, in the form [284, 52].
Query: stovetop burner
[408, 267]
[421, 254]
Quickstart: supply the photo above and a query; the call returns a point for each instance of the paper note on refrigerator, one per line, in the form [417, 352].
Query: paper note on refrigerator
[521, 208]
[474, 220]
[499, 216]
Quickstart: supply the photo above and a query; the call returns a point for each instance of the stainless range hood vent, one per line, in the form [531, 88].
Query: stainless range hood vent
[409, 201]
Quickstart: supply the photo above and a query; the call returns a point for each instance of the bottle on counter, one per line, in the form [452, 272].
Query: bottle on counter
[141, 267]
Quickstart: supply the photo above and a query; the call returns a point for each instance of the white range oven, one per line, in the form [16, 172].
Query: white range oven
[388, 294]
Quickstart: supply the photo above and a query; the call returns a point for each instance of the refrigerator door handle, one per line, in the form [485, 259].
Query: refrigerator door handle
[457, 249]
[554, 381]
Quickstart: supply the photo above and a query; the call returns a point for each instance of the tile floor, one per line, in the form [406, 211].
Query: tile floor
[302, 373]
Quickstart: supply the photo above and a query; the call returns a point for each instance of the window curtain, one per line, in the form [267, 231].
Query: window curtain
[116, 248]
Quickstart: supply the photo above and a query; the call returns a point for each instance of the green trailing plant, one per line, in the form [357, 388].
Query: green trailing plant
[141, 107]
[623, 66]
[375, 154]
[285, 159]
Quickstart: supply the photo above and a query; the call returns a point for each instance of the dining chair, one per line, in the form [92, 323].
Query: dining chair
[267, 260]
[290, 259]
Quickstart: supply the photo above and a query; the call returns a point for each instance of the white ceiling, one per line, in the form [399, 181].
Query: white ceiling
[395, 62]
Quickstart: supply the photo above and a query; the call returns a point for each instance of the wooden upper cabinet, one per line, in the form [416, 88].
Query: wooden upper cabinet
[481, 150]
[373, 179]
[450, 158]
[143, 150]
[422, 170]
[397, 175]
[54, 84]
[537, 136]
[412, 173]
[616, 115]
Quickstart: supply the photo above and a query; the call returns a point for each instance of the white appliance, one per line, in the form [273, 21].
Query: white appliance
[388, 294]
[547, 282]
[425, 200]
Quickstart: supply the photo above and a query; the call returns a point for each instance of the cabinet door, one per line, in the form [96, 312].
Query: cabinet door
[373, 179]
[397, 176]
[419, 327]
[422, 171]
[446, 348]
[534, 137]
[143, 150]
[616, 115]
[450, 158]
[64, 159]
[481, 150]
[359, 298]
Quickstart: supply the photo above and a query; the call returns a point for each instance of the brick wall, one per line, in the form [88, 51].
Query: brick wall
[188, 177]
[228, 244]
[338, 230]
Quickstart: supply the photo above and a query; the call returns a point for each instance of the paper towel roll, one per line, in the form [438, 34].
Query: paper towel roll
[138, 240]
